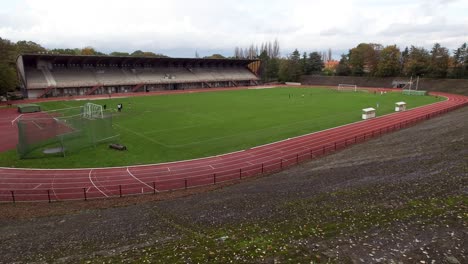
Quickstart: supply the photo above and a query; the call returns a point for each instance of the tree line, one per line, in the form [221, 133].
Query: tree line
[366, 59]
[374, 60]
[274, 68]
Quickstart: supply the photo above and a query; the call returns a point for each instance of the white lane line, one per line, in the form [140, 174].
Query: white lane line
[87, 190]
[91, 180]
[211, 167]
[52, 186]
[13, 121]
[37, 186]
[151, 187]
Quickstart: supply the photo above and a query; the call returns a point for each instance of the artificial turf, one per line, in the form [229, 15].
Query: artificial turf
[193, 125]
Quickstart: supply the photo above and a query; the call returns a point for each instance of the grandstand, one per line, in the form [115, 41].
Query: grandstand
[43, 75]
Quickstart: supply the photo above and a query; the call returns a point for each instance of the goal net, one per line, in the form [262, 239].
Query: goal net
[347, 87]
[40, 135]
[92, 111]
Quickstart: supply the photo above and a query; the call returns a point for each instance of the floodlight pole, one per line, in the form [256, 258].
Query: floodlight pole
[417, 83]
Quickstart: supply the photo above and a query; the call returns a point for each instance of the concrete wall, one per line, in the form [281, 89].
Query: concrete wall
[458, 86]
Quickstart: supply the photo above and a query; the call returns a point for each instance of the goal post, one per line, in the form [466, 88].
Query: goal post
[92, 111]
[347, 87]
[49, 133]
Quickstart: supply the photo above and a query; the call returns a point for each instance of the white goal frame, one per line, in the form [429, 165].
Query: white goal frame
[347, 87]
[92, 111]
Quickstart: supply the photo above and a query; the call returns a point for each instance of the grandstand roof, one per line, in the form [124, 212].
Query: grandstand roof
[92, 59]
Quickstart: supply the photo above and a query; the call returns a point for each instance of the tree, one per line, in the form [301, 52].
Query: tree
[265, 61]
[295, 65]
[460, 62]
[139, 53]
[439, 62]
[343, 68]
[88, 51]
[404, 58]
[215, 56]
[305, 64]
[8, 80]
[364, 58]
[120, 54]
[284, 70]
[418, 62]
[272, 69]
[24, 46]
[389, 62]
[8, 51]
[290, 69]
[66, 51]
[315, 62]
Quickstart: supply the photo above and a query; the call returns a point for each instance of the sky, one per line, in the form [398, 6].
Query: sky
[179, 28]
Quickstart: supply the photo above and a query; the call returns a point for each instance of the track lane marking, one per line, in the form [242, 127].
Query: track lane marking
[91, 180]
[151, 187]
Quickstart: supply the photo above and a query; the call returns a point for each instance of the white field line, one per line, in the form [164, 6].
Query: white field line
[91, 180]
[140, 180]
[14, 120]
[143, 136]
[52, 186]
[38, 126]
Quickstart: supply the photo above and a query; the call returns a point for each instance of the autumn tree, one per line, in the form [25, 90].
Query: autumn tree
[389, 62]
[438, 66]
[343, 68]
[215, 56]
[363, 59]
[88, 51]
[418, 62]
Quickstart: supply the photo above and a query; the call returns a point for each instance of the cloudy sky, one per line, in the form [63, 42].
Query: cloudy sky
[178, 28]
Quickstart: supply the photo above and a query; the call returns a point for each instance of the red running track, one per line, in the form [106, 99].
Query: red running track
[82, 184]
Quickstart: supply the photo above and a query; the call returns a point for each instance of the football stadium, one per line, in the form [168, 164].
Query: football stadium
[233, 132]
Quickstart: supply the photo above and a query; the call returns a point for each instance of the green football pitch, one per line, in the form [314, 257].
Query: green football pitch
[192, 125]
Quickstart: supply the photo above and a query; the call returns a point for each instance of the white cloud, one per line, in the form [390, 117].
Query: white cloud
[178, 27]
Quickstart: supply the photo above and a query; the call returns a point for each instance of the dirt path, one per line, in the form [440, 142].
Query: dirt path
[399, 198]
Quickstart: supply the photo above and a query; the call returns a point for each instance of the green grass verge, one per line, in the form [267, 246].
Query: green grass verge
[186, 126]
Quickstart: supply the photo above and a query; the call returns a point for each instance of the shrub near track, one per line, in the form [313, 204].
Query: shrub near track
[193, 125]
